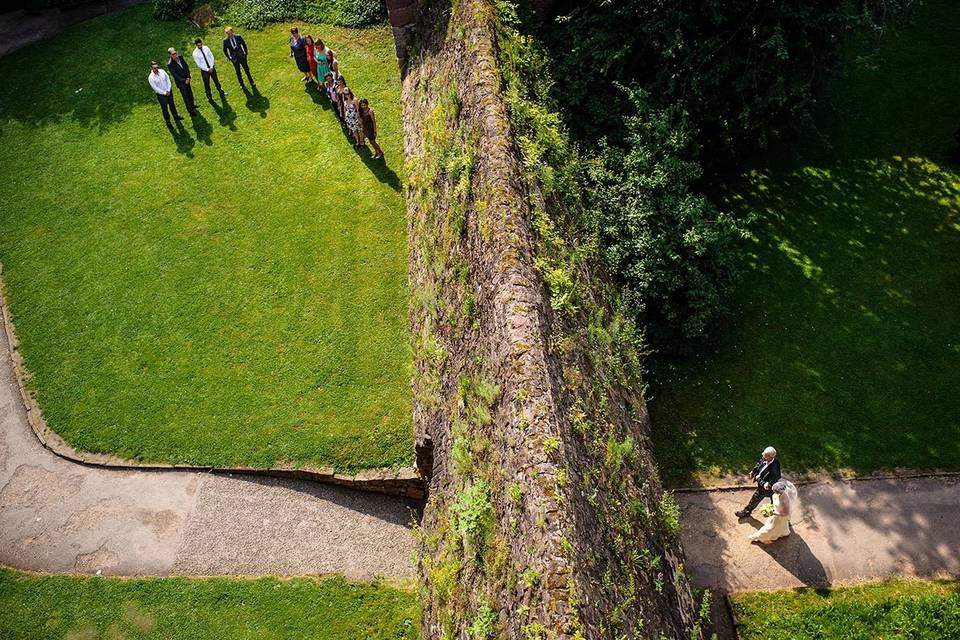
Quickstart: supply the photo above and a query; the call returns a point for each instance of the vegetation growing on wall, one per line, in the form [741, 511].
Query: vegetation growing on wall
[598, 349]
[504, 544]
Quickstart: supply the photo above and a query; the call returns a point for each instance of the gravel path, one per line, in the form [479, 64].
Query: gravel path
[58, 516]
[848, 532]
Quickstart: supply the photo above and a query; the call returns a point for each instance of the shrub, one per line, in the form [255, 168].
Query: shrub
[671, 250]
[474, 515]
[255, 14]
[484, 623]
[669, 514]
[171, 9]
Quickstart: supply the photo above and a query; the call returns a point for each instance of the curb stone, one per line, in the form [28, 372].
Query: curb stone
[825, 477]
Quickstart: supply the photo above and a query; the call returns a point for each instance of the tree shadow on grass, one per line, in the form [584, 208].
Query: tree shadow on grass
[851, 289]
[42, 86]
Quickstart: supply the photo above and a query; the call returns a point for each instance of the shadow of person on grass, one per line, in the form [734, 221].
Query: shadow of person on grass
[317, 94]
[256, 101]
[203, 129]
[225, 113]
[379, 168]
[183, 139]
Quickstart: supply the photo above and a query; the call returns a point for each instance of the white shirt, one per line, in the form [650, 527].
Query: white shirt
[159, 81]
[204, 58]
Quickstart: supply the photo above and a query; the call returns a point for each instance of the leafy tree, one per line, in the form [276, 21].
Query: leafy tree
[742, 68]
[668, 246]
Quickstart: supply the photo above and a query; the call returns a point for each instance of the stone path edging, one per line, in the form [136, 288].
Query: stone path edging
[825, 477]
[405, 482]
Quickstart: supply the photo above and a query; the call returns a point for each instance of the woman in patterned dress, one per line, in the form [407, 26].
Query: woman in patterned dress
[351, 117]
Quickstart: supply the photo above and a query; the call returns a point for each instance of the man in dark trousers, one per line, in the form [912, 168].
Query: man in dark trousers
[766, 473]
[160, 83]
[235, 48]
[180, 71]
[208, 71]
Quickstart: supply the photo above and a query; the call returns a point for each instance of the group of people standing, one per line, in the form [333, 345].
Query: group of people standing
[235, 50]
[318, 63]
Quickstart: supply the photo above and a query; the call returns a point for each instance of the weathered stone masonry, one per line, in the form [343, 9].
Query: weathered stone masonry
[545, 516]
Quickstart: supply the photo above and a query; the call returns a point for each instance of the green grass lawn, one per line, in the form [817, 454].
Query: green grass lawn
[233, 294]
[842, 345]
[81, 608]
[916, 610]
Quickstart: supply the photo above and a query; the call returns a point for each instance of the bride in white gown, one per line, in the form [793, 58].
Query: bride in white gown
[785, 504]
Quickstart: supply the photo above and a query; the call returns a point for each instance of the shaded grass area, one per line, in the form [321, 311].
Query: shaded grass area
[889, 611]
[230, 294]
[84, 608]
[842, 345]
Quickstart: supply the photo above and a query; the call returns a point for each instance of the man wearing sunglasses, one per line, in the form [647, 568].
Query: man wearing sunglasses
[180, 71]
[160, 83]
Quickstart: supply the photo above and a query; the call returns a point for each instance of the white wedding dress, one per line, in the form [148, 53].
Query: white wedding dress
[778, 525]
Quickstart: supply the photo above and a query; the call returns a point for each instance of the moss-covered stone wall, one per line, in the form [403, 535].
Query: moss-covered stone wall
[546, 518]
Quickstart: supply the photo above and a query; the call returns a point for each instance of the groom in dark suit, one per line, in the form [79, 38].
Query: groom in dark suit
[235, 48]
[181, 76]
[766, 473]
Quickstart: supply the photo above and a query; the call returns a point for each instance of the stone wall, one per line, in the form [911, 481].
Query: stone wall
[545, 516]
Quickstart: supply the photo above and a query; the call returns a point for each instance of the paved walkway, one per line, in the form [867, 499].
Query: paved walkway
[848, 532]
[58, 516]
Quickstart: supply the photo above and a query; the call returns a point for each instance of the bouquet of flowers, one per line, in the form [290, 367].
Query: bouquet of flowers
[767, 510]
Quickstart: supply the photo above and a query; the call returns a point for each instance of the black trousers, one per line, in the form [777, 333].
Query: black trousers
[206, 81]
[757, 498]
[242, 62]
[186, 92]
[168, 106]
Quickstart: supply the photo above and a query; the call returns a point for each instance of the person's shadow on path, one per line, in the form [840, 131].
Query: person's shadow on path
[183, 139]
[256, 101]
[794, 554]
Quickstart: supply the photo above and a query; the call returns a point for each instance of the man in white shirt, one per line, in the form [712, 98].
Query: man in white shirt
[205, 62]
[160, 83]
